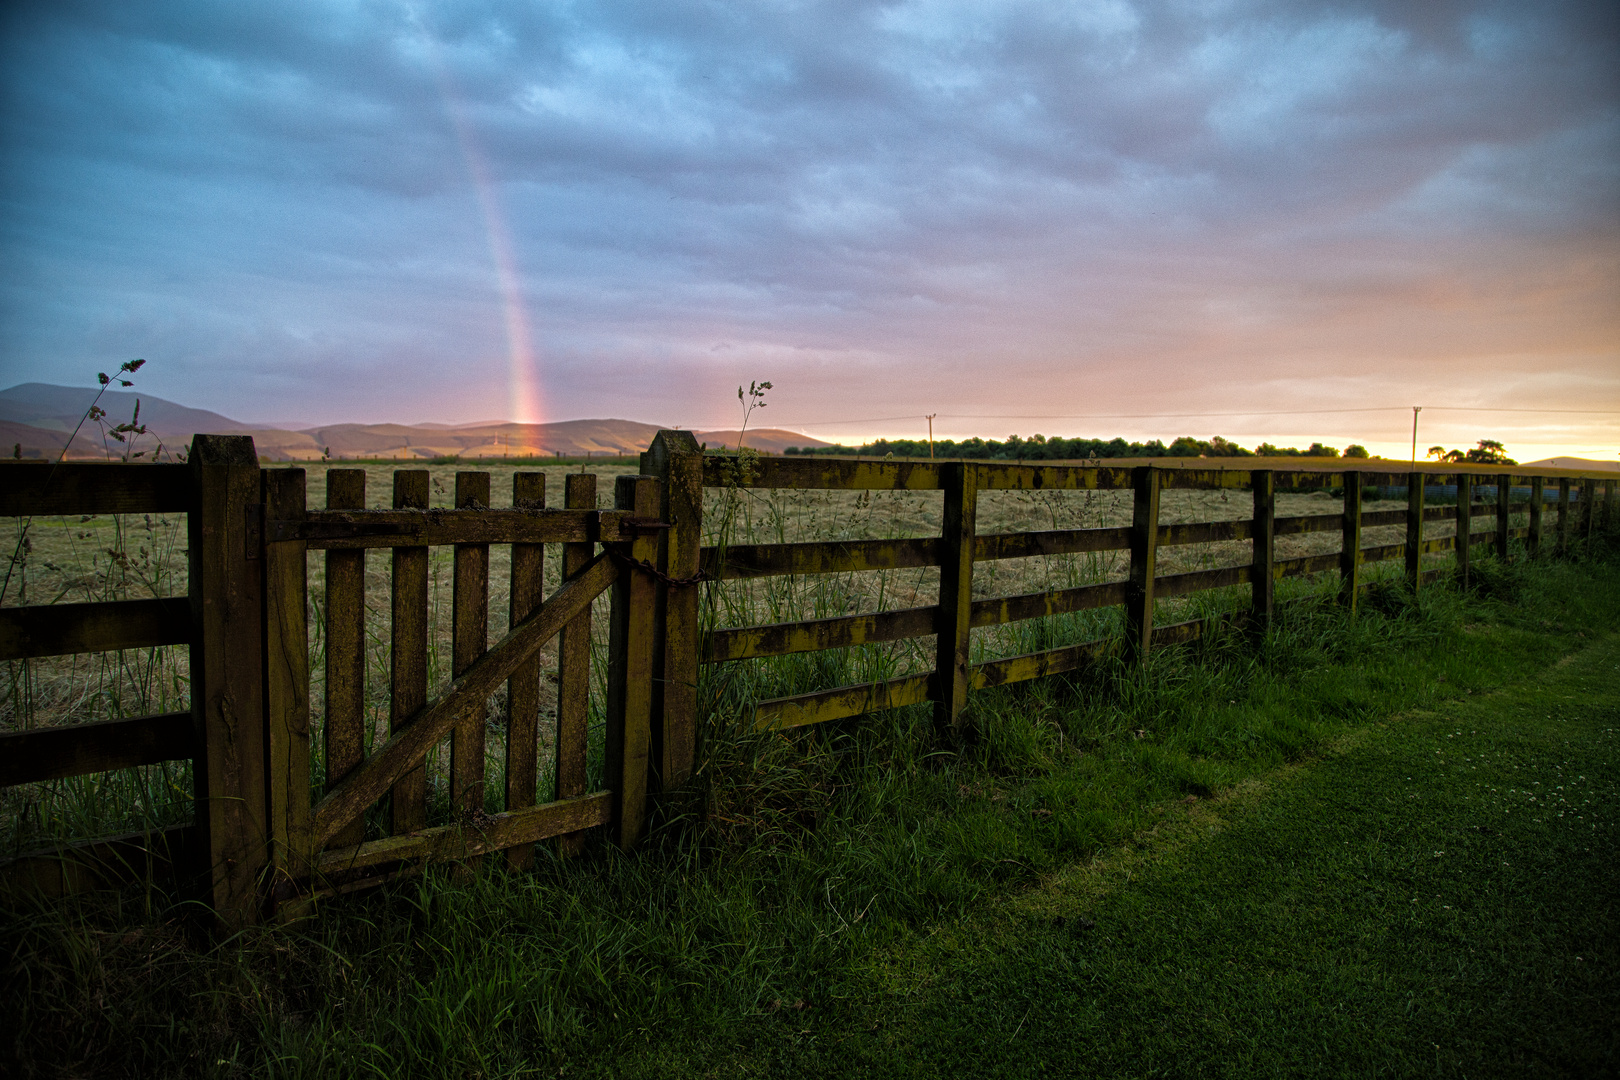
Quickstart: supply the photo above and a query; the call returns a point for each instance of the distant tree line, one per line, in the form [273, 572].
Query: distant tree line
[1041, 448]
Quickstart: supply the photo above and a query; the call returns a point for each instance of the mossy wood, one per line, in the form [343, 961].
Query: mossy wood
[352, 529]
[47, 490]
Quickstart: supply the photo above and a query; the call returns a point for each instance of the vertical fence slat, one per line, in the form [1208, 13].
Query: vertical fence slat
[1350, 542]
[1144, 560]
[574, 667]
[523, 687]
[1563, 515]
[1608, 506]
[286, 651]
[630, 667]
[469, 638]
[1465, 528]
[408, 655]
[953, 660]
[1263, 484]
[1589, 515]
[1414, 529]
[227, 671]
[344, 730]
[678, 463]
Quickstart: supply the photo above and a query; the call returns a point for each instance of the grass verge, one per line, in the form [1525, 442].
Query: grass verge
[1225, 862]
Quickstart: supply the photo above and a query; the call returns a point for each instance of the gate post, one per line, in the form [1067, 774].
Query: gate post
[1350, 544]
[631, 664]
[1263, 483]
[1144, 562]
[286, 667]
[226, 538]
[675, 459]
[953, 667]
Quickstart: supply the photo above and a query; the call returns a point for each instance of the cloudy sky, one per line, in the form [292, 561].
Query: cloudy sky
[1053, 217]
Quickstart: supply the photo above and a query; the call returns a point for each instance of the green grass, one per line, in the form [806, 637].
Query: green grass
[1216, 865]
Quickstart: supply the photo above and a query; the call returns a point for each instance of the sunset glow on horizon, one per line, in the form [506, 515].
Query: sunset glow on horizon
[1276, 222]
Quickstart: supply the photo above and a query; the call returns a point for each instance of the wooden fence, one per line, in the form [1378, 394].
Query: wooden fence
[265, 838]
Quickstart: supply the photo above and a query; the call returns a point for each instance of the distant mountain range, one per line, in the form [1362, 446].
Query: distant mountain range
[36, 420]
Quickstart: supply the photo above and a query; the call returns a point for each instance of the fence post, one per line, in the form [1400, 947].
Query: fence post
[678, 463]
[226, 541]
[630, 667]
[1504, 515]
[1538, 503]
[1563, 516]
[1465, 526]
[574, 667]
[1589, 508]
[1144, 560]
[1608, 506]
[286, 652]
[1350, 544]
[1263, 483]
[1414, 529]
[953, 659]
[523, 686]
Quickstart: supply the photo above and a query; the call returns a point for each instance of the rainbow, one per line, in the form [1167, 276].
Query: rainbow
[524, 405]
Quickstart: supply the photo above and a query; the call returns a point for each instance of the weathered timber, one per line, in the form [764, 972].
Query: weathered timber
[1306, 564]
[1050, 542]
[1589, 517]
[1263, 530]
[819, 472]
[952, 660]
[1309, 523]
[1350, 544]
[1004, 476]
[408, 654]
[814, 635]
[1563, 525]
[1374, 518]
[676, 460]
[286, 684]
[404, 749]
[574, 666]
[1008, 609]
[227, 672]
[801, 709]
[27, 757]
[30, 490]
[469, 637]
[821, 557]
[1383, 553]
[1504, 515]
[424, 527]
[1038, 665]
[1439, 513]
[1204, 532]
[166, 855]
[474, 837]
[525, 596]
[1144, 561]
[1199, 580]
[344, 727]
[1465, 529]
[632, 635]
[1414, 530]
[62, 629]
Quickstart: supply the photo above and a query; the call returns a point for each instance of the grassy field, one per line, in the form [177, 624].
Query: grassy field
[1379, 846]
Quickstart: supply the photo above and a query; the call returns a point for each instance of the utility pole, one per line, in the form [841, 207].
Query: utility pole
[1415, 410]
[931, 435]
